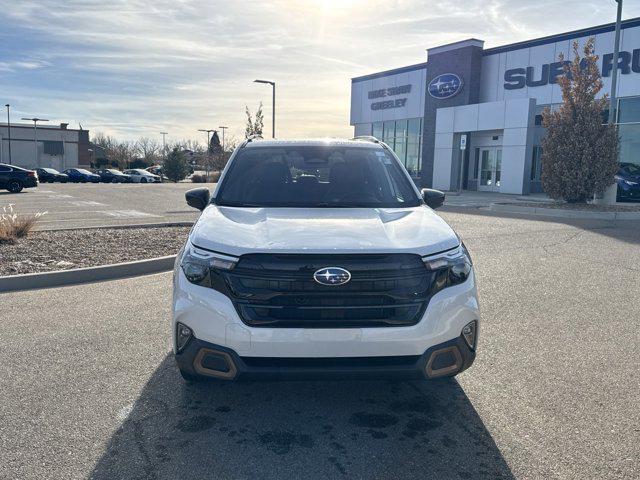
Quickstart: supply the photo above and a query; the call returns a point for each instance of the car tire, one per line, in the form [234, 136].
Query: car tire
[83, 180]
[114, 180]
[15, 186]
[143, 180]
[190, 377]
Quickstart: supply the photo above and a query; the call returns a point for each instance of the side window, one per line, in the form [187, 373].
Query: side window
[4, 169]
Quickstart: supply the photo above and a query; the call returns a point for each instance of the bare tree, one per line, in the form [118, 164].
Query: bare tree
[148, 149]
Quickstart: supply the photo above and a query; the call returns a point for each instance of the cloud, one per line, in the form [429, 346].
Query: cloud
[133, 67]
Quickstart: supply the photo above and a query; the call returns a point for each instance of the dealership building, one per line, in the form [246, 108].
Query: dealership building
[470, 117]
[53, 146]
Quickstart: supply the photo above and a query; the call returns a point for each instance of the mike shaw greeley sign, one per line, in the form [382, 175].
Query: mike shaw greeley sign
[517, 78]
[389, 92]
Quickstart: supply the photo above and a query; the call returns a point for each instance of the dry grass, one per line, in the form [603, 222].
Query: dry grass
[14, 226]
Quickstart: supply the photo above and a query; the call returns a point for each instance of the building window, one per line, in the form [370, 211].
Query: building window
[414, 146]
[629, 110]
[629, 130]
[376, 130]
[536, 164]
[53, 147]
[389, 133]
[538, 120]
[404, 137]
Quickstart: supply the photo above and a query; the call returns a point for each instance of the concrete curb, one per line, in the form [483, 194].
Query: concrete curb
[32, 281]
[560, 213]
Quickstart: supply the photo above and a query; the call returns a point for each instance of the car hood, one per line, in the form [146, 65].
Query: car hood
[237, 231]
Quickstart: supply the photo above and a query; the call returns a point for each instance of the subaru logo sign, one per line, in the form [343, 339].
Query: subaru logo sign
[445, 86]
[332, 276]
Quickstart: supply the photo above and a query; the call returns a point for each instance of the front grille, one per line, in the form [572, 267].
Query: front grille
[271, 290]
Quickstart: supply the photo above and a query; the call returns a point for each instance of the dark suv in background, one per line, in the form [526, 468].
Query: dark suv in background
[14, 178]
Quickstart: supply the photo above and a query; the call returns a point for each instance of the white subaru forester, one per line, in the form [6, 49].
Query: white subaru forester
[321, 259]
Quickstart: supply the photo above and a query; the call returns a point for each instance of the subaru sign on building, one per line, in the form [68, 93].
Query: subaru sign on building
[493, 99]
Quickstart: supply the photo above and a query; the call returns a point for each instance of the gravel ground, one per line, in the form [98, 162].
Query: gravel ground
[579, 206]
[62, 250]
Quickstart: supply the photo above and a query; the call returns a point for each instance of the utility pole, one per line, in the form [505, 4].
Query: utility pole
[9, 130]
[223, 129]
[273, 105]
[164, 145]
[35, 121]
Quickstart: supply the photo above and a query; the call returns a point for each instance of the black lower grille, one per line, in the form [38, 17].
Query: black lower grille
[279, 290]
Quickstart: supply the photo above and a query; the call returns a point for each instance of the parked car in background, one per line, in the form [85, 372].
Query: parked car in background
[111, 175]
[51, 175]
[80, 175]
[14, 178]
[156, 170]
[628, 180]
[138, 175]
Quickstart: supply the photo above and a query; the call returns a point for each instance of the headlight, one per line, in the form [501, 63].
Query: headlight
[197, 264]
[451, 268]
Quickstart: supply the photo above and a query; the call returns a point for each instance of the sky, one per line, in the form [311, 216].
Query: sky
[133, 68]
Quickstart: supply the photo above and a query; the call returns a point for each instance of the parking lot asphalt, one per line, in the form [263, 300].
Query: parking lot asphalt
[74, 205]
[90, 390]
[86, 205]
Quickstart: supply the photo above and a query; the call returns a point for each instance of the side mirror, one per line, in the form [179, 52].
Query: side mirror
[433, 198]
[198, 198]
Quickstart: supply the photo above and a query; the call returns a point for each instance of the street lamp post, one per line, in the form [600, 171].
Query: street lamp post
[208, 132]
[9, 130]
[223, 129]
[610, 193]
[35, 121]
[614, 73]
[164, 145]
[206, 155]
[273, 105]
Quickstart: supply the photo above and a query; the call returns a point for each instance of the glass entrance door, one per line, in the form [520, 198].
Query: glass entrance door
[490, 165]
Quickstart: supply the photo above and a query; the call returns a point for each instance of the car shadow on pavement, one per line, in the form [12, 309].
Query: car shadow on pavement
[320, 429]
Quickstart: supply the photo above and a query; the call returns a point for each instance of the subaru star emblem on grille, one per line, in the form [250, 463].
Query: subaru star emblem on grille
[332, 276]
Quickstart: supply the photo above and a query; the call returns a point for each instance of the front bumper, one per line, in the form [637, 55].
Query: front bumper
[210, 360]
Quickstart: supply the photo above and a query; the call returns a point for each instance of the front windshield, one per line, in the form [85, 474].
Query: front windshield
[316, 176]
[50, 170]
[86, 172]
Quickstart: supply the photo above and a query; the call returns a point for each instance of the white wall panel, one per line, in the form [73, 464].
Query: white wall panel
[361, 111]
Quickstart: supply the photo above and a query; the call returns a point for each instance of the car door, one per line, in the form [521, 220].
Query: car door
[5, 171]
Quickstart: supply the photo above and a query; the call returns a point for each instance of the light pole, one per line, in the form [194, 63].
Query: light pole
[273, 105]
[609, 196]
[208, 132]
[35, 121]
[223, 129]
[206, 155]
[614, 73]
[164, 145]
[9, 130]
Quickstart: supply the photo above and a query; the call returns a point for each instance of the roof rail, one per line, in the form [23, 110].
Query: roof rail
[251, 138]
[367, 138]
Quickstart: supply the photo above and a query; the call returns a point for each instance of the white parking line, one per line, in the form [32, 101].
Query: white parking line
[129, 214]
